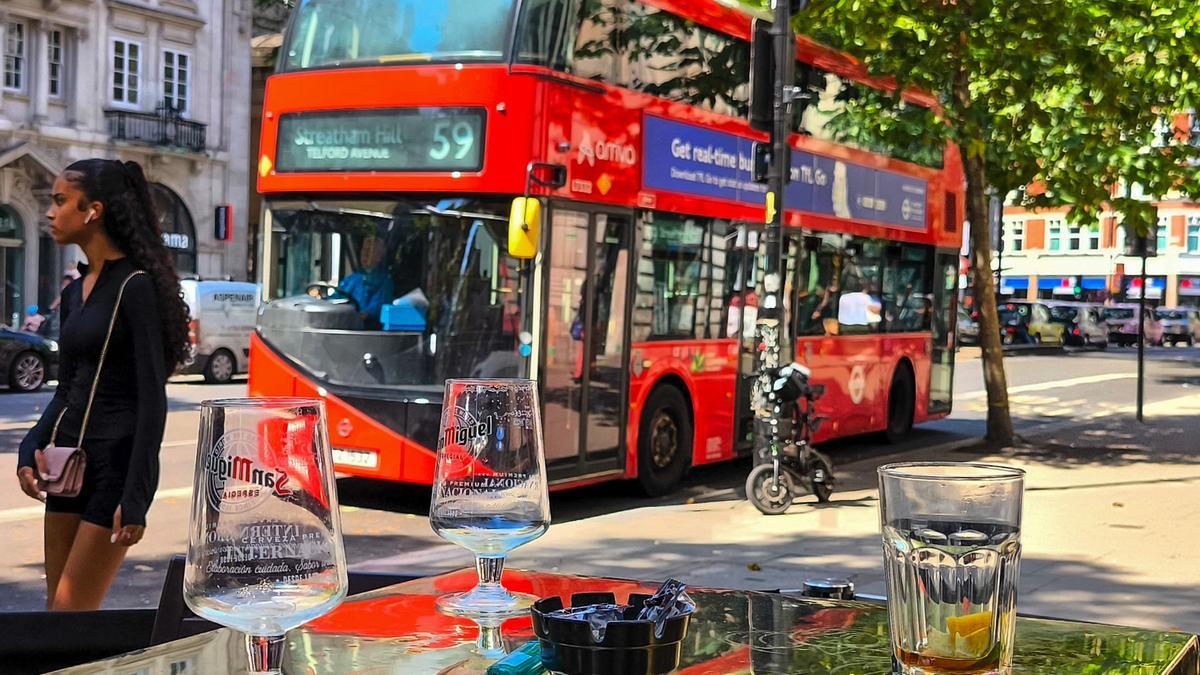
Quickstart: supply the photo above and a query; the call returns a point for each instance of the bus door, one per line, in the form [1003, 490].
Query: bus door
[585, 365]
[746, 263]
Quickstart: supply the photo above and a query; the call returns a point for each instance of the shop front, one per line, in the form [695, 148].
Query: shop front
[178, 229]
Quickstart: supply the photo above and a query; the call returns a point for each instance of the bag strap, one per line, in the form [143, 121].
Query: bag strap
[112, 322]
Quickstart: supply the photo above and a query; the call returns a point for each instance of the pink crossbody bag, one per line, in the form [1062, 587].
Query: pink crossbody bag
[61, 468]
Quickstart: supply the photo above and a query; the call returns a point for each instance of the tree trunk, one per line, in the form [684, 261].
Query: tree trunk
[999, 421]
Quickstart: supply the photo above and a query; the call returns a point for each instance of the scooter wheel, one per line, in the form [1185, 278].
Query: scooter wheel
[768, 497]
[822, 478]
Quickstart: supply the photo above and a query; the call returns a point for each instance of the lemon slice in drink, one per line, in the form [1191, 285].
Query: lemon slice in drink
[973, 645]
[968, 624]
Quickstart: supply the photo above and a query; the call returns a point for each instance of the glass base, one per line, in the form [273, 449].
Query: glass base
[486, 600]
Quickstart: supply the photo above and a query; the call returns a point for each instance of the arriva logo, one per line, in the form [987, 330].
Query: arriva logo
[237, 481]
[605, 151]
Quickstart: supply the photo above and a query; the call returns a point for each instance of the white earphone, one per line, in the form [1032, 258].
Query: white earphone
[91, 214]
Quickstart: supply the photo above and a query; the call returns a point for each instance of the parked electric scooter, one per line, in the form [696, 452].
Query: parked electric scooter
[789, 461]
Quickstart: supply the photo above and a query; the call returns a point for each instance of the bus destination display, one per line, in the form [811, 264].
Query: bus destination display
[403, 139]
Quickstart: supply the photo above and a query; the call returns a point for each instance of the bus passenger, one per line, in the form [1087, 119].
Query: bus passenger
[859, 310]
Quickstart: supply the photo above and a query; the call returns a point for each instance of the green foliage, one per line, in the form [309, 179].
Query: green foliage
[1069, 92]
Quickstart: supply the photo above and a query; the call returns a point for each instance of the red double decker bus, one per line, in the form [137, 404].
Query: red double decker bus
[399, 135]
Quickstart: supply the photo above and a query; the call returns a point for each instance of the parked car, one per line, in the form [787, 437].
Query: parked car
[27, 360]
[222, 318]
[1181, 325]
[1123, 326]
[1083, 324]
[968, 329]
[1028, 322]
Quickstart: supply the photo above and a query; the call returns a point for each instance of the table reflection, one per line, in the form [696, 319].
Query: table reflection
[399, 630]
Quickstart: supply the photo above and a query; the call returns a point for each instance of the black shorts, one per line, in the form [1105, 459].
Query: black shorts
[103, 481]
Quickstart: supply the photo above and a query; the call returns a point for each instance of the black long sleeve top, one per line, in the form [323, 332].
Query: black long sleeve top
[131, 399]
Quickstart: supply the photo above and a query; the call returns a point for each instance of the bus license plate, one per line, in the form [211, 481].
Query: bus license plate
[362, 458]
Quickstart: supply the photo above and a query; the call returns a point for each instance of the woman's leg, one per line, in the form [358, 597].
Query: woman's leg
[90, 570]
[60, 529]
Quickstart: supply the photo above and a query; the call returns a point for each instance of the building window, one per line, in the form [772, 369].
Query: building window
[127, 72]
[1055, 236]
[1093, 238]
[55, 48]
[14, 56]
[1016, 236]
[1075, 240]
[1193, 234]
[176, 80]
[1164, 228]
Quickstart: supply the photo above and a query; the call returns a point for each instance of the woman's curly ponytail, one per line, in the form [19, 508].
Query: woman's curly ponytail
[130, 222]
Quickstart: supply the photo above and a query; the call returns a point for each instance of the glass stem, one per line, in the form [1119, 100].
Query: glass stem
[490, 569]
[491, 641]
[265, 652]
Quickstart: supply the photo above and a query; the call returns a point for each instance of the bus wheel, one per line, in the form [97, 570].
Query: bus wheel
[664, 441]
[901, 405]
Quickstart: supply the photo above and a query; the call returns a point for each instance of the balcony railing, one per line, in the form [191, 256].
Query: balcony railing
[164, 127]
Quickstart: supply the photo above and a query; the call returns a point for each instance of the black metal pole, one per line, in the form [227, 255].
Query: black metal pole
[769, 329]
[1141, 367]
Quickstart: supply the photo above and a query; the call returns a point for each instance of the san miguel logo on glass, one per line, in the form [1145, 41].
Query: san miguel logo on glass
[467, 431]
[237, 480]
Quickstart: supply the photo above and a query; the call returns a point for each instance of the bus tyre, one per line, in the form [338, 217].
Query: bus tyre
[220, 367]
[901, 405]
[664, 441]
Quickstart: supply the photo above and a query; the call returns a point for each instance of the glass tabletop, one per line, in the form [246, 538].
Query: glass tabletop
[399, 630]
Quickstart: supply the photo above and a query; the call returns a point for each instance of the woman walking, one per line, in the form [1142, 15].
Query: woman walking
[126, 319]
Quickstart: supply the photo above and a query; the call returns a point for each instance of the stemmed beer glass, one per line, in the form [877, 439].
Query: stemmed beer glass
[489, 490]
[265, 545]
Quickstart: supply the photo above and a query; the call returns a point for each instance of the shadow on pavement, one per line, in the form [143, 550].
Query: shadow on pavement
[1118, 441]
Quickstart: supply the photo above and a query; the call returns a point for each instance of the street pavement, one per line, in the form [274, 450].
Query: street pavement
[1110, 519]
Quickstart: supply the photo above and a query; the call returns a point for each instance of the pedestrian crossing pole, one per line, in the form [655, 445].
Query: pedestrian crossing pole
[1141, 367]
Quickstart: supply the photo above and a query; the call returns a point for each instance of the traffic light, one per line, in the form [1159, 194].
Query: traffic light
[223, 223]
[762, 78]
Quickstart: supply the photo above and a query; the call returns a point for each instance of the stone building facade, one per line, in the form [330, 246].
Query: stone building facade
[162, 82]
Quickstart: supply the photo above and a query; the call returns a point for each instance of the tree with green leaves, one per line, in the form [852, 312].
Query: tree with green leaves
[1071, 94]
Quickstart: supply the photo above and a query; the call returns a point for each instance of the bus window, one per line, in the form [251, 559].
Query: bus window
[860, 305]
[670, 273]
[329, 33]
[907, 292]
[630, 44]
[818, 284]
[427, 286]
[548, 32]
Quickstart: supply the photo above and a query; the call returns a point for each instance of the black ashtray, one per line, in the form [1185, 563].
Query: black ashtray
[629, 646]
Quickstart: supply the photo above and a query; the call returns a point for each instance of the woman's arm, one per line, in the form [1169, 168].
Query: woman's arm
[141, 317]
[39, 435]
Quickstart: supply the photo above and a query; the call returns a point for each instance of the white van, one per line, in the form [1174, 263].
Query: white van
[222, 318]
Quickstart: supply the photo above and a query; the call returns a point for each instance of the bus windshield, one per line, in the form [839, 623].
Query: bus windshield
[333, 33]
[394, 293]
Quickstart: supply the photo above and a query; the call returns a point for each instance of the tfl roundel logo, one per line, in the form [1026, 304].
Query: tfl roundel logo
[237, 480]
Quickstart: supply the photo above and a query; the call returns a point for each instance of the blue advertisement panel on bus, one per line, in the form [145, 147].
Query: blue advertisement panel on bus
[688, 159]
